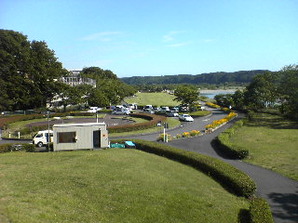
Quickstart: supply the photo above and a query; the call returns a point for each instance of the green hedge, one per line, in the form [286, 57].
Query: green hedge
[260, 211]
[10, 147]
[231, 178]
[224, 144]
[152, 122]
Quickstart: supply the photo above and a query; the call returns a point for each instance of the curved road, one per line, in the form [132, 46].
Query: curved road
[280, 192]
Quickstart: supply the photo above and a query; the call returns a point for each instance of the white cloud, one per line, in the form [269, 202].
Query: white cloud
[101, 36]
[178, 44]
[169, 37]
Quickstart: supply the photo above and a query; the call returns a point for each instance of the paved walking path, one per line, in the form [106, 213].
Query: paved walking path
[280, 192]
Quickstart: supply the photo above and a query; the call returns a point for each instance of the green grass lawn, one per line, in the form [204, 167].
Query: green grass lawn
[272, 143]
[155, 99]
[110, 185]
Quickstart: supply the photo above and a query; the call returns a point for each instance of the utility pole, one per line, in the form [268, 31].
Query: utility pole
[49, 137]
[165, 126]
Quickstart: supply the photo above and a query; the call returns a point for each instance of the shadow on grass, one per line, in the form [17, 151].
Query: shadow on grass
[289, 205]
[244, 216]
[272, 121]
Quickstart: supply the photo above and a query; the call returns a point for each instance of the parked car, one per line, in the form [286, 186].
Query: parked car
[186, 118]
[133, 106]
[148, 107]
[164, 109]
[41, 138]
[94, 109]
[172, 114]
[121, 111]
[150, 111]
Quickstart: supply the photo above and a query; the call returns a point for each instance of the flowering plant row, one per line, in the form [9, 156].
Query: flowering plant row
[212, 105]
[178, 136]
[219, 122]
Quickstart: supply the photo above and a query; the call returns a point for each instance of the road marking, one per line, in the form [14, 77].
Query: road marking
[206, 120]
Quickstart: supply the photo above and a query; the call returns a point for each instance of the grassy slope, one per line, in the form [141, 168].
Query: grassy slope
[272, 143]
[156, 99]
[109, 186]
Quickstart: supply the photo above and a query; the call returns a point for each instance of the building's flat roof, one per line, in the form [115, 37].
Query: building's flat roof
[80, 124]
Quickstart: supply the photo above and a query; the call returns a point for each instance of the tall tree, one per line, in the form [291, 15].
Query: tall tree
[262, 91]
[288, 89]
[28, 70]
[112, 90]
[186, 94]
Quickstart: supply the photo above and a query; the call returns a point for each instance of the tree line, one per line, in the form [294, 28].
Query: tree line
[270, 90]
[238, 78]
[30, 73]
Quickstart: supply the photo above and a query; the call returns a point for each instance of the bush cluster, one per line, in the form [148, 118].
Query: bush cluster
[152, 122]
[10, 147]
[231, 178]
[224, 144]
[260, 211]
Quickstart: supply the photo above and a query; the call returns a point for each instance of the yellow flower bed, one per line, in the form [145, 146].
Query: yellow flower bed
[212, 105]
[185, 134]
[194, 132]
[219, 122]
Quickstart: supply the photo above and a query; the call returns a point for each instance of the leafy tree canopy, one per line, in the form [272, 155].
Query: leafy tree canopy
[28, 72]
[186, 94]
[274, 90]
[109, 89]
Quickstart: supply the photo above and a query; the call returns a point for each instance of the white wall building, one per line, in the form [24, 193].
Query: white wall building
[80, 136]
[75, 79]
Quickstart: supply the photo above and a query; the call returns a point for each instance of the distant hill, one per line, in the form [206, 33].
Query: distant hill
[239, 77]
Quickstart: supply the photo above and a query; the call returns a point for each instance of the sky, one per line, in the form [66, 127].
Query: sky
[161, 37]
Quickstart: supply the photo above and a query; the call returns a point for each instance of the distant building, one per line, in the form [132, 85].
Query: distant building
[75, 79]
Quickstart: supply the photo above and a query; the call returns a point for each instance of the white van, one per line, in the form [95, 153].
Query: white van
[41, 138]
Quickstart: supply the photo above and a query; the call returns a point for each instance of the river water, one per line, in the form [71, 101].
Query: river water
[211, 93]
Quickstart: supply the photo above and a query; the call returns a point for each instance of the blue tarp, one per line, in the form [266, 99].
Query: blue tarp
[129, 144]
[117, 145]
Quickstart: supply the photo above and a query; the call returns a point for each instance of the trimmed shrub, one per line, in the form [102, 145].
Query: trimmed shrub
[10, 147]
[223, 143]
[4, 148]
[29, 147]
[260, 211]
[228, 176]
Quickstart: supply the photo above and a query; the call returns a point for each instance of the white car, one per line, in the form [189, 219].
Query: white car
[186, 118]
[121, 111]
[172, 114]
